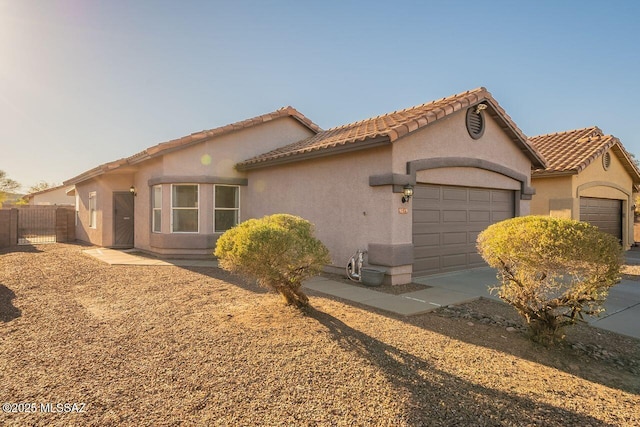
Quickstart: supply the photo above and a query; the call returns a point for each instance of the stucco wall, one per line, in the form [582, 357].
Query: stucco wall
[614, 183]
[560, 196]
[554, 196]
[211, 161]
[448, 138]
[615, 176]
[217, 157]
[334, 194]
[350, 214]
[103, 186]
[53, 197]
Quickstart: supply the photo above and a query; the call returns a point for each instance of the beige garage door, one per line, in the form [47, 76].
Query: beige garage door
[606, 214]
[446, 223]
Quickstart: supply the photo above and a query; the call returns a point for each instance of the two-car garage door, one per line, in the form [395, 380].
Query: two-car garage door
[446, 223]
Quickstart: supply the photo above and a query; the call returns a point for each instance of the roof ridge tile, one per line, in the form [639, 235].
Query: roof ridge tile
[398, 123]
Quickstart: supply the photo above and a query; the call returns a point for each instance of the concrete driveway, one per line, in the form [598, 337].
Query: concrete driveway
[622, 307]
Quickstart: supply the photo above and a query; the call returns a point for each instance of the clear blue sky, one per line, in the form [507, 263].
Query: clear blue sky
[84, 82]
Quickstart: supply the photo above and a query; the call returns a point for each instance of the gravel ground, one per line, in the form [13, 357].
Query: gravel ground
[169, 346]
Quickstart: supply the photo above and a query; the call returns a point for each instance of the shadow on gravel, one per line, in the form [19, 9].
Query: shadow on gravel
[596, 365]
[220, 274]
[7, 311]
[21, 249]
[439, 398]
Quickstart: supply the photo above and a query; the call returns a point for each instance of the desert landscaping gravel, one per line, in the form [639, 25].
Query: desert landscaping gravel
[171, 346]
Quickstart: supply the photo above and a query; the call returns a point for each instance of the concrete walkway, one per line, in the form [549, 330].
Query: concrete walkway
[622, 306]
[133, 257]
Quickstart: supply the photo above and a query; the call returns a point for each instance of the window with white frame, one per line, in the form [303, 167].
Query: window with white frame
[226, 207]
[156, 203]
[93, 213]
[184, 208]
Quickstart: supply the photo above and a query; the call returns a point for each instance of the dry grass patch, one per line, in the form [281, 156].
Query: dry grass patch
[167, 346]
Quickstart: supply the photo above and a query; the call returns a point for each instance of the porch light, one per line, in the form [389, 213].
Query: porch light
[407, 192]
[132, 190]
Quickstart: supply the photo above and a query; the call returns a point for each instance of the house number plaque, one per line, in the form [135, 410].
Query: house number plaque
[403, 211]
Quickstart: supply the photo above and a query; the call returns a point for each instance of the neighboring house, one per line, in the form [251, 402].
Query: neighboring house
[589, 177]
[465, 160]
[61, 195]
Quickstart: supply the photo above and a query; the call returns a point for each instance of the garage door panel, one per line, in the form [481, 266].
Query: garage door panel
[475, 260]
[449, 243]
[472, 236]
[501, 196]
[428, 193]
[454, 194]
[479, 216]
[479, 195]
[454, 216]
[454, 261]
[500, 216]
[427, 264]
[454, 238]
[431, 239]
[606, 214]
[426, 216]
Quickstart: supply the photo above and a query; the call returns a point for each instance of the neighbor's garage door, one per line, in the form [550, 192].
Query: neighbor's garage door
[446, 223]
[606, 214]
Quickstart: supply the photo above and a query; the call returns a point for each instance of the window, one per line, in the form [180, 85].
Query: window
[156, 203]
[93, 214]
[184, 208]
[226, 207]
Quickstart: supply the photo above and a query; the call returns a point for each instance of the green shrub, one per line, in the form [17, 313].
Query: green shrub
[552, 270]
[278, 251]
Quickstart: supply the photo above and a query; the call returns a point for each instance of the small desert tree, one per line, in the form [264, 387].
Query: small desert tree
[279, 251]
[7, 186]
[552, 270]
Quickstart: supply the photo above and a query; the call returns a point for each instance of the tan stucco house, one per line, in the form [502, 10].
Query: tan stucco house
[60, 195]
[589, 177]
[466, 161]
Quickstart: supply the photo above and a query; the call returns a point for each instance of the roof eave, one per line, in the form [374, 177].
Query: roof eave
[552, 174]
[314, 153]
[192, 139]
[626, 160]
[497, 113]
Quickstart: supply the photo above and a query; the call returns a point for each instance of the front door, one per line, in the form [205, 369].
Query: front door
[123, 219]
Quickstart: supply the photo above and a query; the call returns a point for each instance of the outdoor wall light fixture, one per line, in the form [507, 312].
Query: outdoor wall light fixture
[132, 190]
[480, 107]
[407, 192]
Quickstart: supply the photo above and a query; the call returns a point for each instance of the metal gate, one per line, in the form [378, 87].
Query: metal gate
[36, 225]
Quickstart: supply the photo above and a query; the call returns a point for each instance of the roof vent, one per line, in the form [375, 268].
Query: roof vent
[606, 160]
[475, 121]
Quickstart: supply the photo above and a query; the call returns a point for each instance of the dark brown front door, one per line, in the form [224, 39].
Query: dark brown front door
[123, 219]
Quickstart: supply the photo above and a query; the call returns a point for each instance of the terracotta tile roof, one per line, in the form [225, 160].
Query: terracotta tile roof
[570, 152]
[194, 138]
[388, 128]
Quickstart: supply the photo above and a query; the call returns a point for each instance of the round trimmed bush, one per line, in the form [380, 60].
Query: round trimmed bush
[552, 270]
[278, 251]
